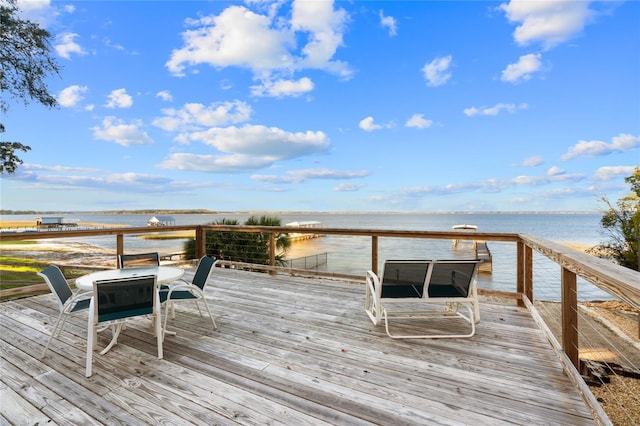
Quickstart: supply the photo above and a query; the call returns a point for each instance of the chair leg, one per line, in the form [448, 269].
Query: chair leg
[476, 306]
[158, 332]
[116, 332]
[206, 305]
[166, 315]
[64, 321]
[53, 333]
[91, 335]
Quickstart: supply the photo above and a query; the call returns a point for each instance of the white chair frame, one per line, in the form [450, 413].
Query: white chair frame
[378, 310]
[95, 323]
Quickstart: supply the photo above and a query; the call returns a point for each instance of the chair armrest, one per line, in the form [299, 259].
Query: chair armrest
[187, 286]
[372, 297]
[81, 295]
[373, 284]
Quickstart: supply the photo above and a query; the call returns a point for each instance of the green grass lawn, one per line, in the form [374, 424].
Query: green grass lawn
[21, 271]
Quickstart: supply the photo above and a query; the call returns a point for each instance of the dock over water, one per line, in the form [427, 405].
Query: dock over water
[480, 246]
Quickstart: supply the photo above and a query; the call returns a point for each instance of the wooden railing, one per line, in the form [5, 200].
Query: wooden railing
[621, 282]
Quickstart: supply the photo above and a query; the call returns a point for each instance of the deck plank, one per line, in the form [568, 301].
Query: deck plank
[288, 350]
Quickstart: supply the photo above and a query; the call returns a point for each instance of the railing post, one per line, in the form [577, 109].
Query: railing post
[272, 252]
[119, 246]
[525, 272]
[570, 316]
[520, 268]
[374, 254]
[201, 240]
[528, 272]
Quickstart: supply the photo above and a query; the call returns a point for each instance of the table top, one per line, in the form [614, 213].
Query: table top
[165, 274]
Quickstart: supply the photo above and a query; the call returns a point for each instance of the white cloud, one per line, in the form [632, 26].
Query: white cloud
[165, 95]
[261, 141]
[554, 174]
[523, 69]
[555, 171]
[621, 143]
[328, 174]
[39, 11]
[65, 45]
[71, 95]
[265, 43]
[63, 169]
[418, 121]
[494, 110]
[236, 37]
[297, 176]
[550, 22]
[389, 22]
[115, 130]
[347, 187]
[95, 179]
[235, 163]
[281, 88]
[324, 27]
[532, 161]
[488, 186]
[437, 71]
[112, 45]
[368, 125]
[612, 172]
[119, 99]
[195, 116]
[274, 179]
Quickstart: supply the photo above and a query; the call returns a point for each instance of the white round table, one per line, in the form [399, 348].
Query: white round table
[165, 274]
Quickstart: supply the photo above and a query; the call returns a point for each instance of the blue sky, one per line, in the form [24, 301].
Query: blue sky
[332, 106]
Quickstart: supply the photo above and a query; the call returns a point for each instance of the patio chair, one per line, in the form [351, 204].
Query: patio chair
[68, 302]
[114, 302]
[138, 260]
[193, 290]
[450, 285]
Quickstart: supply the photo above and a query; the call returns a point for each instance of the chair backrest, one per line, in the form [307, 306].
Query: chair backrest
[138, 260]
[124, 297]
[57, 283]
[205, 265]
[452, 278]
[404, 278]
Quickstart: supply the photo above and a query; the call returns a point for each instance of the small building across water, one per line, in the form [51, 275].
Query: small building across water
[161, 221]
[53, 222]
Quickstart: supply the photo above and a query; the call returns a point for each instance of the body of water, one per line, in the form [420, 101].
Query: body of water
[352, 254]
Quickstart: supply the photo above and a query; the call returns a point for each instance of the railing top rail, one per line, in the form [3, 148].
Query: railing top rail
[368, 232]
[615, 279]
[493, 236]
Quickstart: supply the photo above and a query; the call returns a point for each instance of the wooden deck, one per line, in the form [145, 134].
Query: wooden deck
[288, 350]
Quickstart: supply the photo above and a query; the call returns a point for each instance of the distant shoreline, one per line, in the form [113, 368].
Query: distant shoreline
[256, 212]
